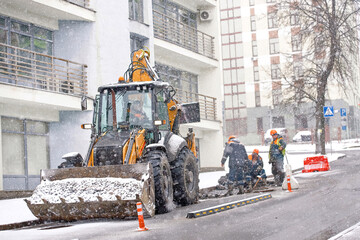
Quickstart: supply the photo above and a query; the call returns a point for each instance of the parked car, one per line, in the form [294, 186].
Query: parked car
[302, 136]
[281, 131]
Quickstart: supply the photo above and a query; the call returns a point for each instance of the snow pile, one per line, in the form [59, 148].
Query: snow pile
[86, 188]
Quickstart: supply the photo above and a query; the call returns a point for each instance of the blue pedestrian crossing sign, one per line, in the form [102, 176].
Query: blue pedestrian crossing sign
[343, 112]
[329, 111]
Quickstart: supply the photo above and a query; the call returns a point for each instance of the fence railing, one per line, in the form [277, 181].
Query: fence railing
[171, 30]
[30, 69]
[207, 103]
[81, 3]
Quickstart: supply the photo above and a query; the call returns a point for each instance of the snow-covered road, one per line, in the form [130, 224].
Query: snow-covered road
[16, 210]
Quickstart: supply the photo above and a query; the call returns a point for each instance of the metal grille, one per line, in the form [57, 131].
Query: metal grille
[171, 30]
[30, 69]
[207, 103]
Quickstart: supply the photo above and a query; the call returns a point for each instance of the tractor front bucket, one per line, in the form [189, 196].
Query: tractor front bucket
[94, 192]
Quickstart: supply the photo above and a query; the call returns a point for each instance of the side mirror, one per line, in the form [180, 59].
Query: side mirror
[83, 103]
[86, 126]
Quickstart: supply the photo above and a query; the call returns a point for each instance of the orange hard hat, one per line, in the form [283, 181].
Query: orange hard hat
[231, 137]
[256, 151]
[273, 132]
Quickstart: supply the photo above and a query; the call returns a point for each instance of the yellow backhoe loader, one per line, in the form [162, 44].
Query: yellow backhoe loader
[136, 154]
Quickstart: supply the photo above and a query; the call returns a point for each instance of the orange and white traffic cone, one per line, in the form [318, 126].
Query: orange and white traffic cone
[141, 217]
[288, 183]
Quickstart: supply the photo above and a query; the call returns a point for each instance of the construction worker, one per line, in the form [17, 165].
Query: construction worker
[276, 157]
[256, 171]
[138, 115]
[237, 158]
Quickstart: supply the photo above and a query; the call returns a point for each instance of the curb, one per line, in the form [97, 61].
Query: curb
[227, 206]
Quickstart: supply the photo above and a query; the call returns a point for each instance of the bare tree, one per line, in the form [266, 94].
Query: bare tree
[325, 34]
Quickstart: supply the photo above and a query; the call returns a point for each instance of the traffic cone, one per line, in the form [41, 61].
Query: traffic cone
[288, 172]
[141, 217]
[288, 183]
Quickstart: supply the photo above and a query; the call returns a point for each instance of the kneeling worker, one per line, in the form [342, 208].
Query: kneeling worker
[256, 169]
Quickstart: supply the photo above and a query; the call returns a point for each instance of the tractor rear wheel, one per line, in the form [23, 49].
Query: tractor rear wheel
[185, 174]
[163, 181]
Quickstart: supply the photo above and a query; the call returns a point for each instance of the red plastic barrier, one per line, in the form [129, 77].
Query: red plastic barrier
[316, 164]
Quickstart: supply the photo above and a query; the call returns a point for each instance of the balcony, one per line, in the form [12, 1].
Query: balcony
[48, 12]
[29, 69]
[207, 103]
[175, 32]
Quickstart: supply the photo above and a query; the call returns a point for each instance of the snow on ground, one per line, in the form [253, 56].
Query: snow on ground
[16, 210]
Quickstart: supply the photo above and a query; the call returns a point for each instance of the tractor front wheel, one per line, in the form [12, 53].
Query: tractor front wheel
[185, 173]
[163, 181]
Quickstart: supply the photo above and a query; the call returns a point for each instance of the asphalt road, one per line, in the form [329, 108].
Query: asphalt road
[325, 204]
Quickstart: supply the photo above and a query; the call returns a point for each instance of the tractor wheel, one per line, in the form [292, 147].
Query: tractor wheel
[163, 181]
[185, 173]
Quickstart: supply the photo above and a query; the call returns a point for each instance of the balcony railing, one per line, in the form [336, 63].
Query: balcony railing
[171, 30]
[207, 103]
[81, 3]
[30, 69]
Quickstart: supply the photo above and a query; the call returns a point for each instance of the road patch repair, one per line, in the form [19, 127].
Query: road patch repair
[227, 206]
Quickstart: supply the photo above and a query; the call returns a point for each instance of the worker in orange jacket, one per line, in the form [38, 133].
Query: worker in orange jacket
[255, 169]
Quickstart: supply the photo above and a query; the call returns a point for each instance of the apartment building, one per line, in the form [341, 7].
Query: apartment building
[54, 53]
[254, 50]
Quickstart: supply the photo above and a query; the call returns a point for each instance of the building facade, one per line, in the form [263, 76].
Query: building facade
[54, 53]
[255, 48]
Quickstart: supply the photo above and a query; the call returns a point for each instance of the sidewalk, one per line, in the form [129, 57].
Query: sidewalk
[352, 233]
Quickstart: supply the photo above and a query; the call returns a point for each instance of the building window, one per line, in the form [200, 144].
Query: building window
[26, 36]
[186, 82]
[301, 122]
[136, 10]
[298, 70]
[254, 48]
[22, 164]
[274, 45]
[137, 42]
[257, 99]
[256, 73]
[277, 96]
[296, 43]
[251, 2]
[260, 127]
[176, 11]
[253, 23]
[275, 71]
[242, 123]
[294, 19]
[278, 122]
[270, 1]
[272, 20]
